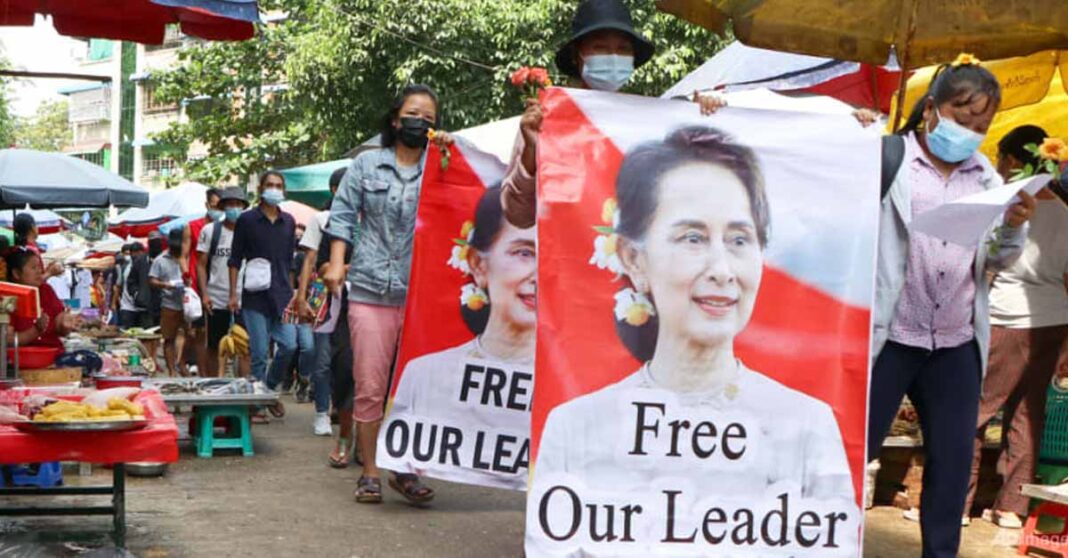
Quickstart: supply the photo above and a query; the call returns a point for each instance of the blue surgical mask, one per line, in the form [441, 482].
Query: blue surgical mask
[273, 196]
[952, 142]
[232, 213]
[215, 215]
[607, 72]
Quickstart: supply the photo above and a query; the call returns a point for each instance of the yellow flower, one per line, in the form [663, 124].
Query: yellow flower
[1053, 149]
[476, 303]
[464, 251]
[1062, 155]
[608, 210]
[965, 59]
[637, 315]
[466, 229]
[431, 134]
[611, 245]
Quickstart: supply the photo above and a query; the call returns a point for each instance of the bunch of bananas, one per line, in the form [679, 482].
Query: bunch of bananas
[234, 343]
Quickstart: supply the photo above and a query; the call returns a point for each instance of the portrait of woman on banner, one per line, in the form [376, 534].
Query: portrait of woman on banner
[686, 236]
[498, 306]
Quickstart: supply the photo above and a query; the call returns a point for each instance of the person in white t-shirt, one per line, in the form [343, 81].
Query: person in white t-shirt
[694, 441]
[215, 280]
[500, 309]
[1029, 317]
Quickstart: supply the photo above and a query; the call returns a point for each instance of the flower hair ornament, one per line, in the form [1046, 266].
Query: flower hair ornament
[606, 245]
[472, 296]
[632, 307]
[965, 59]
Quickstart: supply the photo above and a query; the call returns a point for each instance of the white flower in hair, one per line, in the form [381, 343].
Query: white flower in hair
[473, 297]
[458, 259]
[633, 307]
[458, 255]
[606, 254]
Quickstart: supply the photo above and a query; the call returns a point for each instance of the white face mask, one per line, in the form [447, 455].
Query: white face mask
[607, 72]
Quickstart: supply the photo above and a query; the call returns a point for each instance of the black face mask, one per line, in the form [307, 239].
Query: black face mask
[413, 131]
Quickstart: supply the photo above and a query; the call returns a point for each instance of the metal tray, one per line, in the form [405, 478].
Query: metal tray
[82, 426]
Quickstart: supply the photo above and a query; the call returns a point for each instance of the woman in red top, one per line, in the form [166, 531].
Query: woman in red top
[24, 268]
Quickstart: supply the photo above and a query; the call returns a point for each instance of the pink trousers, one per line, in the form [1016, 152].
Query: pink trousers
[374, 332]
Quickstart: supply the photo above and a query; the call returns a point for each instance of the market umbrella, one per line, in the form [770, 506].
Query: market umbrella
[310, 184]
[738, 67]
[143, 21]
[48, 221]
[50, 180]
[919, 32]
[185, 200]
[926, 31]
[1033, 92]
[301, 213]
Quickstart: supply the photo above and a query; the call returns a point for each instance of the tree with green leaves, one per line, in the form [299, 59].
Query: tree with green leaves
[342, 61]
[47, 130]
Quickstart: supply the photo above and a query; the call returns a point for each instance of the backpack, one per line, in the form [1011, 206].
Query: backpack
[893, 156]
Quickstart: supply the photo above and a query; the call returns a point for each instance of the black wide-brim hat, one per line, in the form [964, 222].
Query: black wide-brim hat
[233, 193]
[600, 15]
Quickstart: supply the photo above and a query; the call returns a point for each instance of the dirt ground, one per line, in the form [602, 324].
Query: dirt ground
[286, 502]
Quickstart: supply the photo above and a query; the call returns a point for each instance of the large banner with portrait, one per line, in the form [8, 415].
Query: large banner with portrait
[704, 298]
[464, 379]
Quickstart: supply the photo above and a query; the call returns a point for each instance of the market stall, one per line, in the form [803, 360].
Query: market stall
[204, 400]
[112, 440]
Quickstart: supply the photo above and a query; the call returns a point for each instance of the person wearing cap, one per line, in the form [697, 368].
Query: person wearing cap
[213, 275]
[602, 54]
[169, 278]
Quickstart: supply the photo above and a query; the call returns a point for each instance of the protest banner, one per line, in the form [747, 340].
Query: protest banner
[461, 394]
[705, 287]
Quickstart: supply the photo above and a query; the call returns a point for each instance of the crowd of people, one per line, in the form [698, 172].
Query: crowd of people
[963, 332]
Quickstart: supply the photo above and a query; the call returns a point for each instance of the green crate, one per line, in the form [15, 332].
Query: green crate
[1054, 449]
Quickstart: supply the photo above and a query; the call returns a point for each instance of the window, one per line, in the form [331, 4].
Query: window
[152, 105]
[172, 38]
[96, 158]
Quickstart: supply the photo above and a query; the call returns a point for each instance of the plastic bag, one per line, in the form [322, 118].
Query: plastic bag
[192, 305]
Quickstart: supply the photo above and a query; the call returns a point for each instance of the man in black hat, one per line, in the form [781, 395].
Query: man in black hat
[602, 54]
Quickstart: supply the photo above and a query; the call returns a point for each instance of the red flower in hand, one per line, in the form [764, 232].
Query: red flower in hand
[520, 76]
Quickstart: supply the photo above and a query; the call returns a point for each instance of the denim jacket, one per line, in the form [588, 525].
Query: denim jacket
[995, 253]
[377, 203]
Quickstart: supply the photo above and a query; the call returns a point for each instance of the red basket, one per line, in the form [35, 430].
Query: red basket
[34, 357]
[108, 382]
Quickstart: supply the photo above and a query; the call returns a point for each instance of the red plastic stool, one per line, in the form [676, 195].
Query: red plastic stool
[1056, 543]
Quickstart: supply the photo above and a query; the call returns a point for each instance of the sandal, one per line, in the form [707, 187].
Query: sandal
[342, 454]
[369, 490]
[413, 490]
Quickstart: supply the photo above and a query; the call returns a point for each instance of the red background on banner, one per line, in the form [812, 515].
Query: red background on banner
[432, 320]
[798, 335]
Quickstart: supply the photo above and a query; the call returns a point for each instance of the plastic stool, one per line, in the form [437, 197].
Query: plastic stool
[238, 431]
[1050, 542]
[48, 475]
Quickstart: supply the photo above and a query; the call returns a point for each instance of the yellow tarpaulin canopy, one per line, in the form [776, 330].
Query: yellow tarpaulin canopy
[1033, 92]
[864, 30]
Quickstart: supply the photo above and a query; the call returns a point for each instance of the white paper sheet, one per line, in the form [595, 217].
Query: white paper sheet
[964, 221]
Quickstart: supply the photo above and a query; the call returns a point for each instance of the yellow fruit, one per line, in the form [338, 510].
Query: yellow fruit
[239, 332]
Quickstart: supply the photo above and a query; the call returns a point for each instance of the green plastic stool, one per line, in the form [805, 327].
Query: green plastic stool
[238, 429]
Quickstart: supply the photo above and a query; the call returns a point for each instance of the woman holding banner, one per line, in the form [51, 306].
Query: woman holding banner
[379, 196]
[449, 389]
[693, 429]
[931, 326]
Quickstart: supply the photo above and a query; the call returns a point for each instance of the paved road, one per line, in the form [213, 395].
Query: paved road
[285, 502]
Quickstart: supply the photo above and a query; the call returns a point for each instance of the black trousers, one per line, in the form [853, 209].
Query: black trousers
[944, 386]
